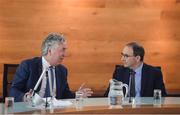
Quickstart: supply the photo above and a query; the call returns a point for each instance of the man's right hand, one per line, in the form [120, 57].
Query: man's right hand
[27, 96]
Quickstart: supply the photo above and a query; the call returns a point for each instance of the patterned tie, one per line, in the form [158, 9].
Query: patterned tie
[52, 75]
[132, 83]
[47, 91]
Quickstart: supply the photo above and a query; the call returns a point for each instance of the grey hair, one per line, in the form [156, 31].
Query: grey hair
[50, 41]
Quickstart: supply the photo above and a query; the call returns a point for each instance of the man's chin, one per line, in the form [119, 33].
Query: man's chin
[125, 65]
[61, 60]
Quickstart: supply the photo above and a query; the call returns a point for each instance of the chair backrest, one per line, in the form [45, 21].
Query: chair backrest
[9, 71]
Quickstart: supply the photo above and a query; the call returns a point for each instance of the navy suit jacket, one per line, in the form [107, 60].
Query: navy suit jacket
[27, 75]
[151, 79]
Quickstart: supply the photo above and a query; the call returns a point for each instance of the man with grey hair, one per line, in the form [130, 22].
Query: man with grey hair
[29, 71]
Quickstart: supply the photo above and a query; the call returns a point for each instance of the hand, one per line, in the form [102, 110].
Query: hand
[87, 92]
[27, 96]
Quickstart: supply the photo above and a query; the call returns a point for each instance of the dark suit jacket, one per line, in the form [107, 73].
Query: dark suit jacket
[151, 79]
[27, 75]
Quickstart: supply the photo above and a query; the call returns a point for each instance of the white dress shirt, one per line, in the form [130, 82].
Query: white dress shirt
[138, 77]
[46, 65]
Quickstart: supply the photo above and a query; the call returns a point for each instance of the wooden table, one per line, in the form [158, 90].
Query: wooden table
[143, 105]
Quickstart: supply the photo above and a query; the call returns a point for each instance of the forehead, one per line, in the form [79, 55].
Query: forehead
[127, 50]
[61, 45]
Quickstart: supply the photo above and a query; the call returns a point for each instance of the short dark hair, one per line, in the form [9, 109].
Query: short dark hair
[138, 50]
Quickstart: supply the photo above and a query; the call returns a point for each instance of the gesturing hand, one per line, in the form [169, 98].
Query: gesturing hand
[27, 96]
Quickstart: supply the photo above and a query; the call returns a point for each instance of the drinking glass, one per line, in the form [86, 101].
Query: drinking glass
[9, 102]
[79, 99]
[157, 97]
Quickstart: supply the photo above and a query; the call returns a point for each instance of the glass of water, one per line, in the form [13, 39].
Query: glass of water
[79, 99]
[157, 97]
[9, 102]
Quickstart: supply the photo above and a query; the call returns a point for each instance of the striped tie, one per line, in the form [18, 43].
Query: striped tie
[132, 84]
[47, 91]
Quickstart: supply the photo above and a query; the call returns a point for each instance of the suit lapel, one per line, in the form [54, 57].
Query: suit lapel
[127, 76]
[58, 81]
[143, 79]
[40, 67]
[39, 72]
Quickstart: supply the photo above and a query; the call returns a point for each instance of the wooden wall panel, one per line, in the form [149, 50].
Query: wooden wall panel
[96, 31]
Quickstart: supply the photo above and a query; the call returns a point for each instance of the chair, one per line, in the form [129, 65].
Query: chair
[9, 71]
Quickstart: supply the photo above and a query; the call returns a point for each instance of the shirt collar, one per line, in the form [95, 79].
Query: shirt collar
[139, 69]
[45, 63]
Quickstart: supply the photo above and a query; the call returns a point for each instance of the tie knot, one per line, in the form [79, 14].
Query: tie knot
[132, 72]
[51, 67]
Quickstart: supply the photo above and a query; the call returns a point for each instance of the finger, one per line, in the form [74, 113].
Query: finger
[30, 91]
[86, 89]
[89, 91]
[25, 97]
[88, 95]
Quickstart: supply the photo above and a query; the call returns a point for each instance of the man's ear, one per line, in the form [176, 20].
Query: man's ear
[138, 58]
[49, 51]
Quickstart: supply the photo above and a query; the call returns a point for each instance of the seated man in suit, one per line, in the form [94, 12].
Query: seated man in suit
[146, 77]
[28, 73]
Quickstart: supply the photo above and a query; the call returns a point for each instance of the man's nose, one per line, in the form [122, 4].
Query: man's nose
[122, 58]
[65, 54]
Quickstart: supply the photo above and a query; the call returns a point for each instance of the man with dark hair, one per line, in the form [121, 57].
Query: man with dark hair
[146, 77]
[54, 81]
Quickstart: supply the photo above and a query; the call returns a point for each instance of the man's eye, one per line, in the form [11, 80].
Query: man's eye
[126, 55]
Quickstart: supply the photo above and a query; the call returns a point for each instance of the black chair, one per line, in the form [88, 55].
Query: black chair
[9, 71]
